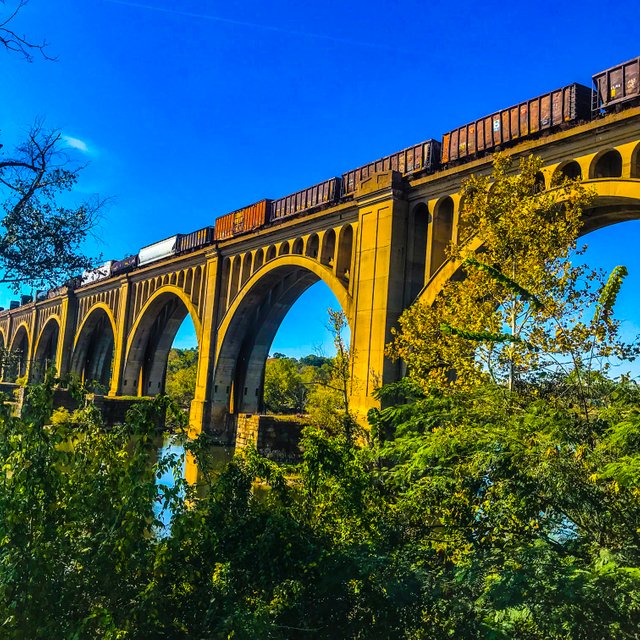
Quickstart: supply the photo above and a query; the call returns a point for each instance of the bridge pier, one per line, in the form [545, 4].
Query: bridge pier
[379, 284]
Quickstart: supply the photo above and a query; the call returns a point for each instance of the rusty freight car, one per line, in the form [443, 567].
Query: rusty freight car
[567, 105]
[195, 239]
[319, 194]
[245, 219]
[617, 85]
[419, 157]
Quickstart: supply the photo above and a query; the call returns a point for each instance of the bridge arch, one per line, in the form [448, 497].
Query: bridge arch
[46, 348]
[248, 328]
[19, 352]
[615, 200]
[151, 338]
[93, 346]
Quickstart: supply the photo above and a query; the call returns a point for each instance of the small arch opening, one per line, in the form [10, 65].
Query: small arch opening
[635, 163]
[442, 233]
[247, 266]
[284, 249]
[418, 248]
[298, 246]
[271, 253]
[345, 253]
[328, 248]
[258, 260]
[608, 165]
[313, 244]
[568, 171]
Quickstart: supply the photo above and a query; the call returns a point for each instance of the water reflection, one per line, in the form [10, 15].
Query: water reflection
[171, 445]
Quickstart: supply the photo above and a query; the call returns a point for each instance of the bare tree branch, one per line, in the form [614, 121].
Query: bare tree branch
[20, 44]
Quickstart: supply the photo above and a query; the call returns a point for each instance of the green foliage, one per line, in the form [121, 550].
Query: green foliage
[286, 385]
[182, 369]
[472, 516]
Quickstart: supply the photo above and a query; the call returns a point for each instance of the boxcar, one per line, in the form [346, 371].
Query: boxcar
[195, 239]
[125, 265]
[245, 219]
[94, 275]
[419, 157]
[320, 194]
[56, 291]
[567, 105]
[617, 85]
[158, 250]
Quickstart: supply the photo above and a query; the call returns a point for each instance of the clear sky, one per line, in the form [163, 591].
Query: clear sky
[188, 110]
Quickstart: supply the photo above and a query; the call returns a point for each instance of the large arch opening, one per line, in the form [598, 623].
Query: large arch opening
[249, 331]
[92, 357]
[46, 350]
[608, 246]
[152, 339]
[18, 363]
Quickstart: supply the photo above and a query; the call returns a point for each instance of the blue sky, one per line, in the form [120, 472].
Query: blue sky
[187, 113]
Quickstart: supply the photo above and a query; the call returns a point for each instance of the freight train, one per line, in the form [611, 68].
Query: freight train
[613, 89]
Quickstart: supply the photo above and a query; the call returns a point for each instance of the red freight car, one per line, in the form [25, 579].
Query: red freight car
[195, 240]
[324, 193]
[245, 219]
[567, 105]
[616, 85]
[425, 155]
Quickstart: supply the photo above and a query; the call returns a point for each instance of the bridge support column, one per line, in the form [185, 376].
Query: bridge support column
[379, 285]
[64, 353]
[120, 339]
[32, 346]
[200, 410]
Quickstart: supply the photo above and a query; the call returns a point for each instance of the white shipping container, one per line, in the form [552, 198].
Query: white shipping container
[99, 273]
[158, 251]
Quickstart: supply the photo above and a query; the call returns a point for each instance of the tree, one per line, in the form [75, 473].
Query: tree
[329, 404]
[520, 307]
[182, 370]
[284, 387]
[40, 237]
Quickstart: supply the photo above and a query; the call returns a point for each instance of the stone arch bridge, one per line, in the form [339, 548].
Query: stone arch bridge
[378, 253]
